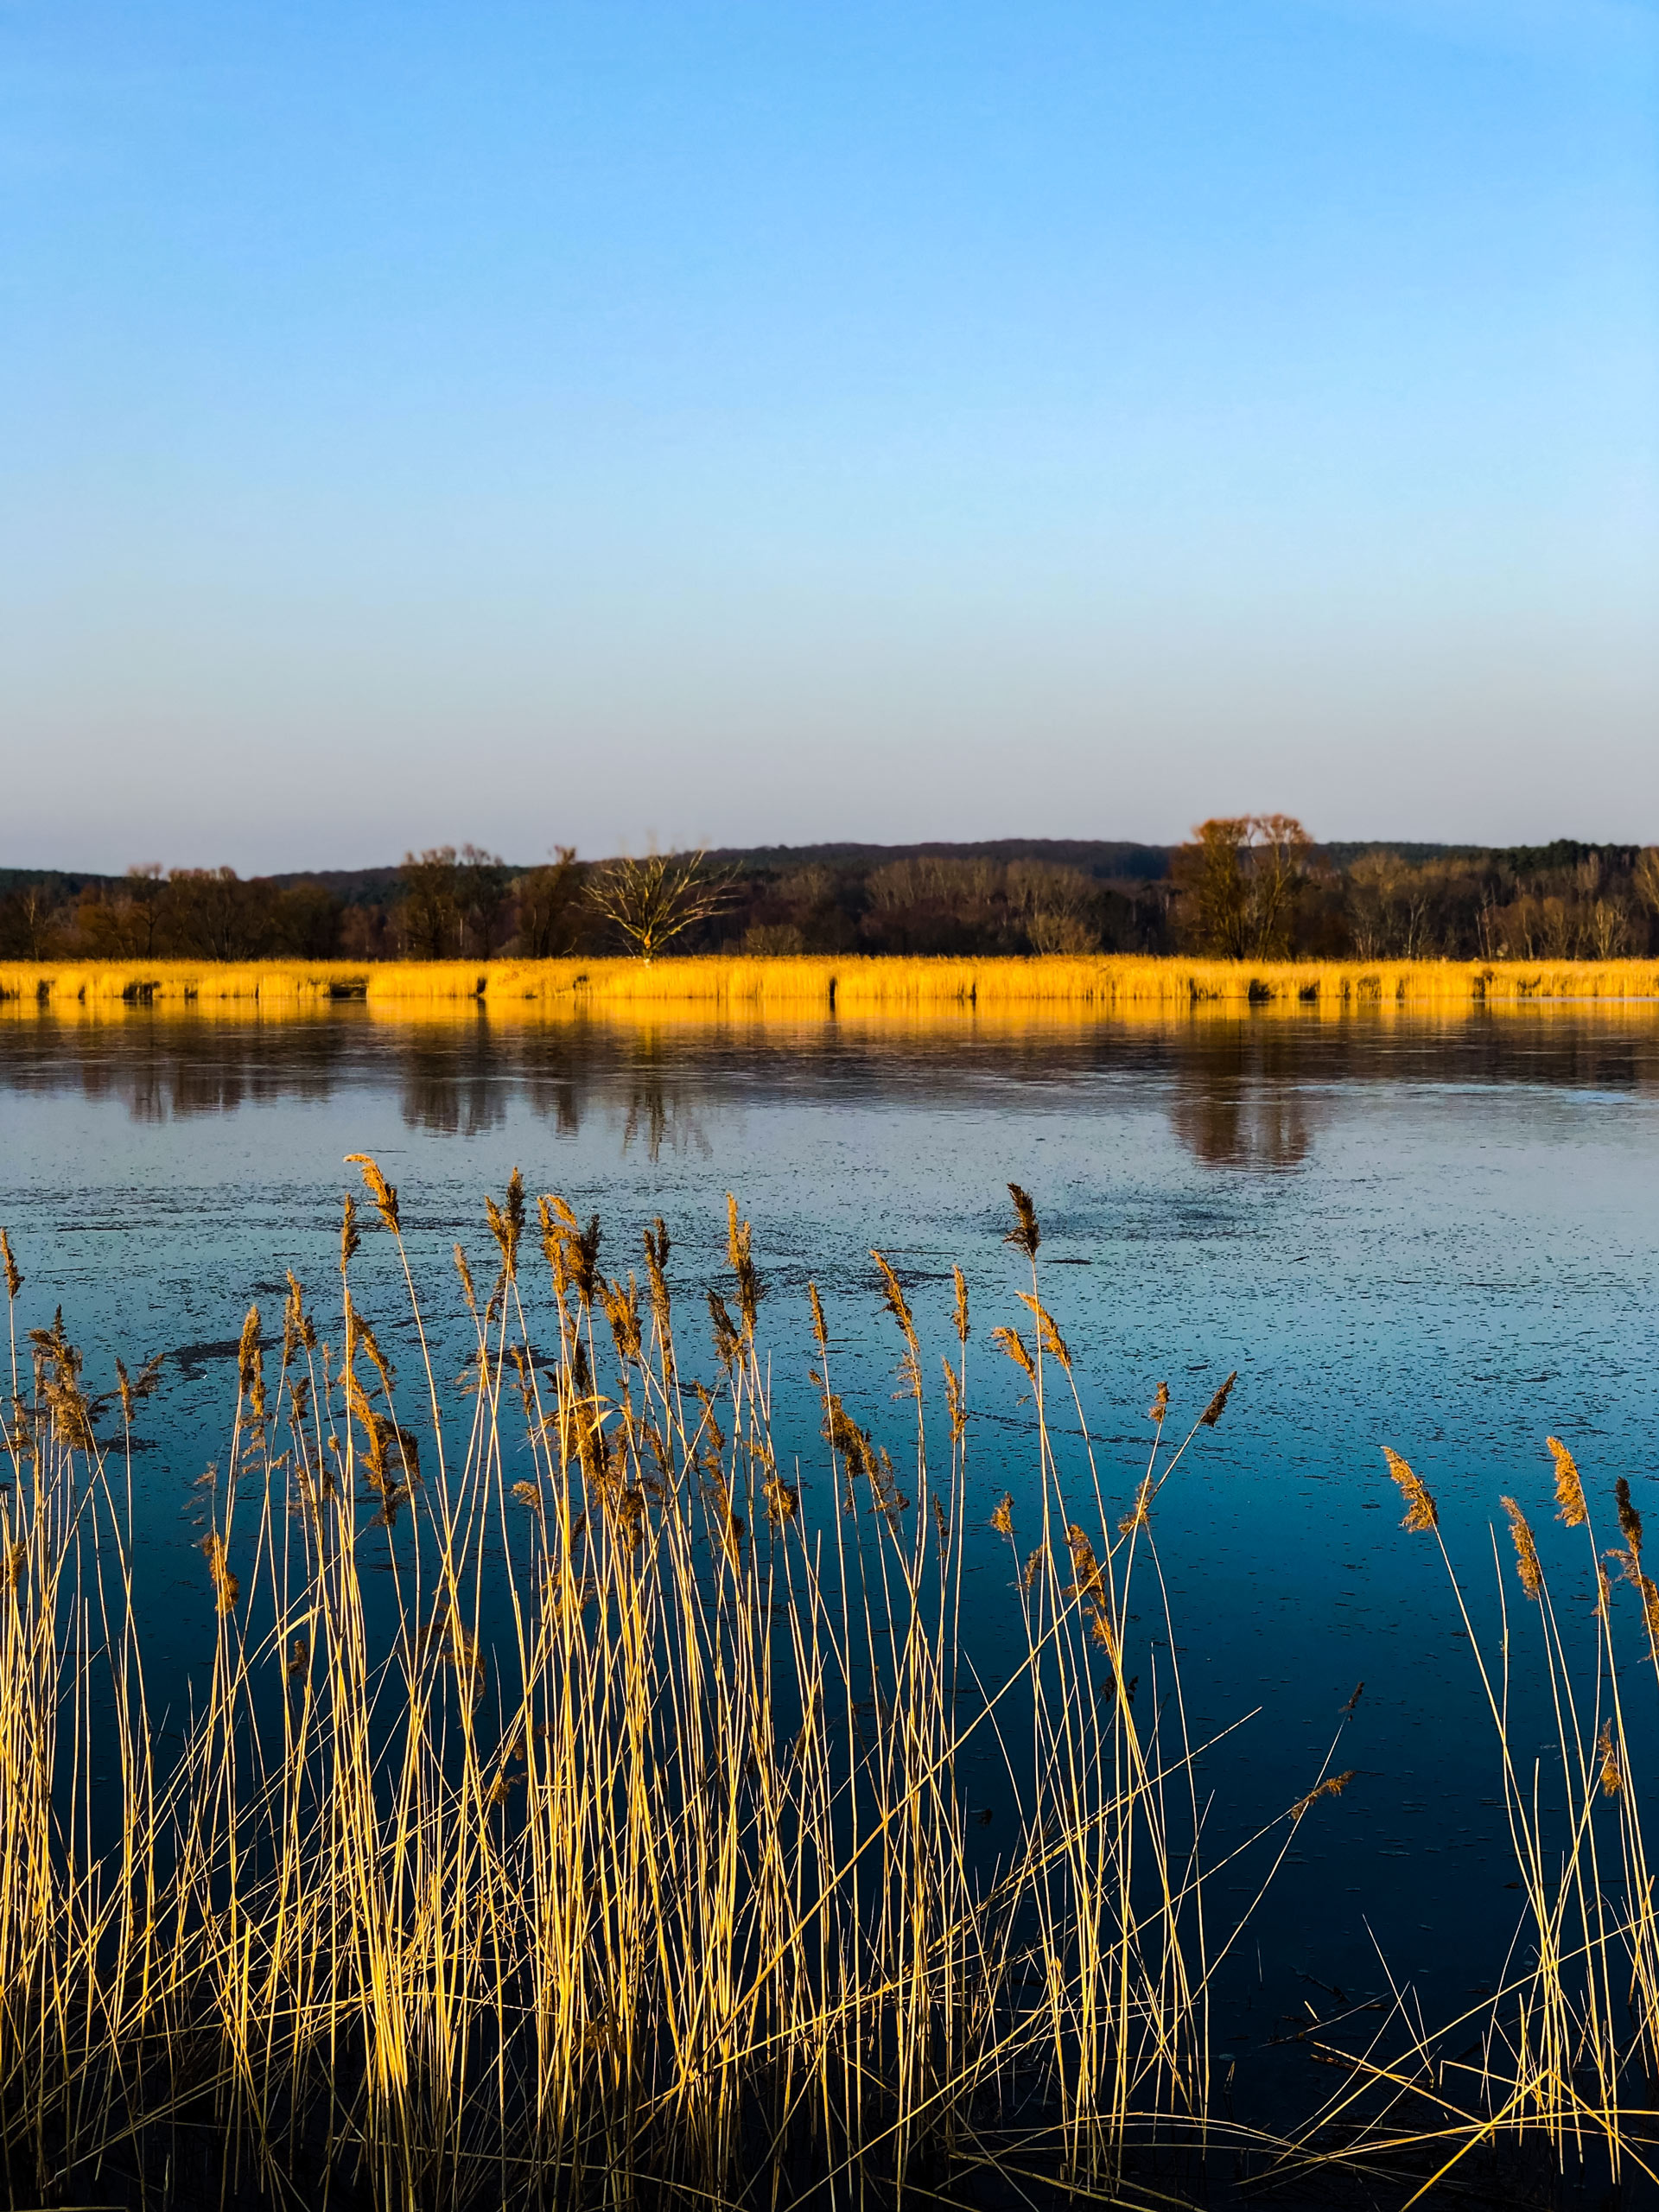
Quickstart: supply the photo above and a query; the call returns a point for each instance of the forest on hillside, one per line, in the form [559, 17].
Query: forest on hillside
[1256, 886]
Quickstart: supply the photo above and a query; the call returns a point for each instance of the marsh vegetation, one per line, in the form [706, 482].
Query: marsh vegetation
[580, 1796]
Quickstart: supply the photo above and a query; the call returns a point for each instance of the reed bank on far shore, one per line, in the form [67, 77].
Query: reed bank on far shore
[809, 986]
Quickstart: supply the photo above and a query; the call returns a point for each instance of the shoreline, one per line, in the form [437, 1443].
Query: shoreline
[812, 985]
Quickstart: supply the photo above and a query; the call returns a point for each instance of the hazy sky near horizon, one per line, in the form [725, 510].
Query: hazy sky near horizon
[741, 421]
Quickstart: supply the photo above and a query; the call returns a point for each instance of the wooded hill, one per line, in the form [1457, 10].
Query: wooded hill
[1254, 887]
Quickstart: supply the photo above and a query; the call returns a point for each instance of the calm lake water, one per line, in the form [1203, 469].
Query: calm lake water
[1438, 1234]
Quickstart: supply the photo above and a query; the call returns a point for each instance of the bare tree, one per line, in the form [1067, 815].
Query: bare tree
[651, 901]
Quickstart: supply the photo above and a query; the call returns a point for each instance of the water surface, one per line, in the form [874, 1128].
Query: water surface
[1435, 1233]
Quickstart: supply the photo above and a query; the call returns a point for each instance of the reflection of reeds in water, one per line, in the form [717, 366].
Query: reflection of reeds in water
[621, 1848]
[811, 985]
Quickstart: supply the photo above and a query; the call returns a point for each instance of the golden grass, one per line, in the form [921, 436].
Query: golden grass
[617, 1849]
[808, 986]
[615, 1846]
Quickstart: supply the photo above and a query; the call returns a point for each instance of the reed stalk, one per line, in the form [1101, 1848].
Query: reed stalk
[576, 1801]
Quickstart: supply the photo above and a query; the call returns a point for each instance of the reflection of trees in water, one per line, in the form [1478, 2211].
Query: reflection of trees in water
[659, 1112]
[1241, 1087]
[453, 1087]
[160, 1069]
[1238, 1099]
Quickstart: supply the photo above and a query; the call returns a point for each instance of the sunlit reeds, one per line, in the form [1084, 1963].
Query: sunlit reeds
[811, 985]
[617, 1847]
[1565, 2050]
[580, 1796]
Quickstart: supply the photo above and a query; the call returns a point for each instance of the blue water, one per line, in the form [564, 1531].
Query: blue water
[1441, 1236]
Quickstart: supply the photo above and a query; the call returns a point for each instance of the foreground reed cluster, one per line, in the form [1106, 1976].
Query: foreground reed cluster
[581, 1801]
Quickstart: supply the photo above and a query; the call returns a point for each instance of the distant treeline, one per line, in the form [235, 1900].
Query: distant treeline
[1254, 887]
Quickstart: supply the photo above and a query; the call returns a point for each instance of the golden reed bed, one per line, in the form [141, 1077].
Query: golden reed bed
[811, 986]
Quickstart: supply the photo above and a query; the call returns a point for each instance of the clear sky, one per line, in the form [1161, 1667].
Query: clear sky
[724, 422]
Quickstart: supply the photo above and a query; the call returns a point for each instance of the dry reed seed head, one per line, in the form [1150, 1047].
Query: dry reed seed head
[1526, 1550]
[507, 1223]
[385, 1194]
[889, 1496]
[1217, 1405]
[1613, 1774]
[524, 1375]
[466, 1275]
[782, 1502]
[820, 1333]
[1033, 1563]
[16, 1560]
[1630, 1519]
[1138, 1515]
[959, 1312]
[1332, 1786]
[1421, 1510]
[1159, 1405]
[250, 1365]
[351, 1237]
[71, 1413]
[1569, 1488]
[53, 1348]
[226, 1588]
[1024, 1235]
[1085, 1564]
[1047, 1334]
[729, 1338]
[893, 1299]
[1010, 1342]
[1003, 1518]
[657, 1277]
[750, 1289]
[14, 1279]
[954, 1402]
[1648, 1589]
[622, 1311]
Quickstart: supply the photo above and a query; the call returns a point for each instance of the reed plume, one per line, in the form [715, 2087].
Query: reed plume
[385, 1194]
[1217, 1405]
[1526, 1550]
[227, 1587]
[1332, 1786]
[1010, 1342]
[1569, 1488]
[1420, 1511]
[1024, 1235]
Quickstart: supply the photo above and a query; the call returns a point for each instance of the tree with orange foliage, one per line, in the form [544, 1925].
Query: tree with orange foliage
[1238, 883]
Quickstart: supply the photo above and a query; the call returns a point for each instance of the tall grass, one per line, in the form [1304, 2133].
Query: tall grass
[618, 1849]
[577, 1803]
[1565, 2052]
[809, 985]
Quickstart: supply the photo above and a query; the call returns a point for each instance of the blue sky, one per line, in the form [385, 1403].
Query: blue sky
[733, 422]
